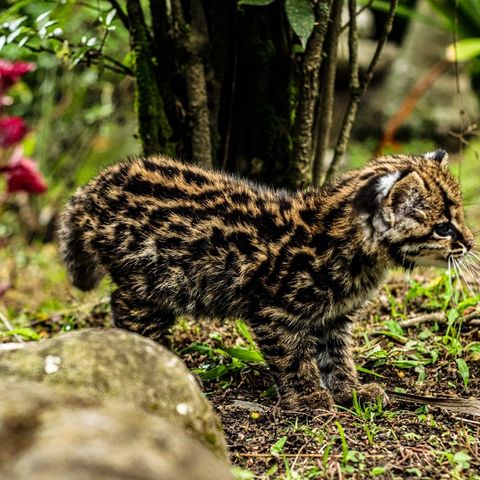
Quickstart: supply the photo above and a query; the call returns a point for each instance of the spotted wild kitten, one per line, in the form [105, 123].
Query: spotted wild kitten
[178, 239]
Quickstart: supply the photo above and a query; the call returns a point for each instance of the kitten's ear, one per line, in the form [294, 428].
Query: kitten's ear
[440, 156]
[371, 196]
[405, 194]
[390, 190]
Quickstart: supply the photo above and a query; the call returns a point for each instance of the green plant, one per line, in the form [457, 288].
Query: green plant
[225, 360]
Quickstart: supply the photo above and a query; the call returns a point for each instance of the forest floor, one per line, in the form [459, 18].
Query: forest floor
[420, 335]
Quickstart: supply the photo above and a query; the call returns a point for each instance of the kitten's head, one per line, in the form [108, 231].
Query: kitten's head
[414, 208]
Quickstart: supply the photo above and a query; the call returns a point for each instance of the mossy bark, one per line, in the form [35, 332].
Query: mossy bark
[300, 167]
[227, 85]
[153, 125]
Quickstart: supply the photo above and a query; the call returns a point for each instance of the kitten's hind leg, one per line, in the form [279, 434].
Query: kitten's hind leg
[292, 362]
[337, 368]
[140, 316]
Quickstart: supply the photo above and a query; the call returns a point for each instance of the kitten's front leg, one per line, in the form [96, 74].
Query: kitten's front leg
[292, 361]
[336, 365]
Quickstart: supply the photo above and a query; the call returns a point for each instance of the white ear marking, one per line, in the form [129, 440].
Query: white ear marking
[440, 156]
[385, 184]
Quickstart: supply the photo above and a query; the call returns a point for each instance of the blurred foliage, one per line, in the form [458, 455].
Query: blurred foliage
[81, 116]
[460, 16]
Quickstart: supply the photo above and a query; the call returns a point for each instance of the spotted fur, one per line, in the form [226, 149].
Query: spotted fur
[178, 239]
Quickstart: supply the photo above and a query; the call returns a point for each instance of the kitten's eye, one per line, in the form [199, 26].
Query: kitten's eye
[444, 230]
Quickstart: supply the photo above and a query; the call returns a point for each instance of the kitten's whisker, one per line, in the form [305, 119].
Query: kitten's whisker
[465, 286]
[475, 254]
[450, 275]
[458, 277]
[473, 274]
[464, 278]
[471, 262]
[472, 253]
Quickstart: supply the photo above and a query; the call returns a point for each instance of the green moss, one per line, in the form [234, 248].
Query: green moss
[153, 125]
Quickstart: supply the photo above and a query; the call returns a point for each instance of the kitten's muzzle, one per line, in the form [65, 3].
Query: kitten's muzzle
[468, 242]
[461, 246]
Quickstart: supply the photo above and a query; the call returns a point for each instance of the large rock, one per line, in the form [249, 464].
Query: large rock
[121, 365]
[49, 435]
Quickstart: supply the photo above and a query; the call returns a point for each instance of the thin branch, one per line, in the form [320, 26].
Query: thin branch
[354, 85]
[357, 95]
[122, 16]
[438, 317]
[231, 103]
[93, 56]
[470, 406]
[325, 109]
[357, 13]
[301, 164]
[380, 44]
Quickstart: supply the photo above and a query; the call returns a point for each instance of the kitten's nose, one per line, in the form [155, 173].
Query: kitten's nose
[468, 242]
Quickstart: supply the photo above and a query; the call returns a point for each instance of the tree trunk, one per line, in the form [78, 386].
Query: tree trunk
[228, 85]
[154, 128]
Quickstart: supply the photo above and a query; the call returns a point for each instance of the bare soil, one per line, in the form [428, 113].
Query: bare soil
[438, 356]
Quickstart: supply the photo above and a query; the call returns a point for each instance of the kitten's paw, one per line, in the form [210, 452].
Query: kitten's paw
[310, 403]
[370, 393]
[367, 393]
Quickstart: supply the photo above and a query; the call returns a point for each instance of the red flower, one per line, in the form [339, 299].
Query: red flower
[12, 130]
[11, 72]
[23, 175]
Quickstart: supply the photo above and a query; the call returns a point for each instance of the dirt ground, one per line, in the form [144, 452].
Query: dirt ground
[402, 440]
[417, 336]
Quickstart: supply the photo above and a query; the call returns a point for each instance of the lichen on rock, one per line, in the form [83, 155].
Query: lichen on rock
[121, 365]
[46, 434]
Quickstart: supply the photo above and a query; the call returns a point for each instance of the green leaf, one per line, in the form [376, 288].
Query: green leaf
[463, 50]
[244, 331]
[245, 355]
[213, 373]
[256, 3]
[14, 24]
[277, 448]
[110, 16]
[241, 474]
[27, 333]
[473, 347]
[452, 315]
[370, 372]
[18, 5]
[414, 471]
[377, 471]
[43, 16]
[394, 327]
[462, 459]
[463, 370]
[301, 18]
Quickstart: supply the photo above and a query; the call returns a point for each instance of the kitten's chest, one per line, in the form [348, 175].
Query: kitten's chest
[319, 287]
